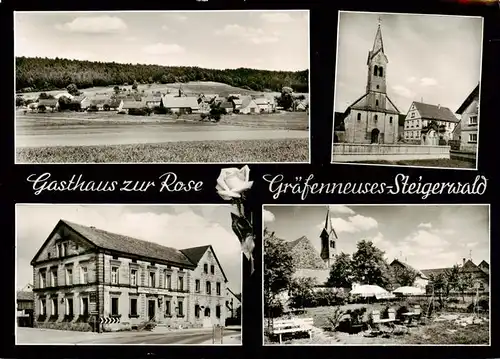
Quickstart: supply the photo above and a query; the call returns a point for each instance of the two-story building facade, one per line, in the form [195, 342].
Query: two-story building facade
[467, 131]
[84, 275]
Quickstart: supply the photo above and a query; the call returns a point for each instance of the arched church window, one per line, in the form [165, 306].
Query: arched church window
[376, 102]
[375, 70]
[376, 117]
[381, 71]
[359, 117]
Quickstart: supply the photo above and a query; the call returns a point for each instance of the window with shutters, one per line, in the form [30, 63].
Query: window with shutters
[54, 277]
[84, 275]
[69, 276]
[180, 283]
[43, 279]
[133, 277]
[168, 281]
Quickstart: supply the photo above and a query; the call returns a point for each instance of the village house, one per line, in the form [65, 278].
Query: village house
[51, 104]
[153, 100]
[233, 304]
[130, 106]
[181, 105]
[79, 103]
[373, 118]
[98, 103]
[467, 130]
[427, 124]
[82, 272]
[264, 105]
[245, 105]
[479, 273]
[228, 106]
[24, 305]
[63, 94]
[421, 280]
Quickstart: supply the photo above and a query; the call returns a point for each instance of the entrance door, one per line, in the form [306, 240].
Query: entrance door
[375, 133]
[207, 318]
[85, 307]
[151, 309]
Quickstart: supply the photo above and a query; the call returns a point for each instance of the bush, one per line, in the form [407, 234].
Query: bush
[137, 112]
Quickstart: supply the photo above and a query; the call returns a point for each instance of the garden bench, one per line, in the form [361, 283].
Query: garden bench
[376, 320]
[289, 326]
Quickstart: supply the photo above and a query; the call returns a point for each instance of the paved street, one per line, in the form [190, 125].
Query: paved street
[176, 337]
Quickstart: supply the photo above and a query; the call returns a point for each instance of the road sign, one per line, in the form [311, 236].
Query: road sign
[109, 320]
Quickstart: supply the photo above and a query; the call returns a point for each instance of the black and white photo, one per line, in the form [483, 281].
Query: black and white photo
[127, 275]
[162, 87]
[407, 90]
[376, 274]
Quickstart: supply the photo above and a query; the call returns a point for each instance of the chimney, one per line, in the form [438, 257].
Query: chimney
[463, 261]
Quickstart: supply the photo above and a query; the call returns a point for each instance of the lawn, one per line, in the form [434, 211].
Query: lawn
[442, 329]
[281, 150]
[426, 163]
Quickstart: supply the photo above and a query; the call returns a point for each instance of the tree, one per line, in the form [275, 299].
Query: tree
[150, 80]
[404, 275]
[216, 112]
[72, 90]
[286, 100]
[369, 265]
[301, 292]
[459, 280]
[64, 103]
[19, 101]
[135, 85]
[278, 269]
[341, 273]
[440, 285]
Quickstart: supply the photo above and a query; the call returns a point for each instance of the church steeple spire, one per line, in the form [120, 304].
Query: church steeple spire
[378, 44]
[328, 241]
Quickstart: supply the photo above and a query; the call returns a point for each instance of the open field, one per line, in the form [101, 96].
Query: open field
[451, 163]
[443, 328]
[193, 88]
[273, 150]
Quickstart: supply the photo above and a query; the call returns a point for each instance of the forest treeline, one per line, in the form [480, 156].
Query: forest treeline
[44, 74]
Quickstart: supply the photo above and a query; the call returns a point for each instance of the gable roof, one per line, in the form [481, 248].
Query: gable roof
[433, 112]
[194, 254]
[123, 244]
[48, 102]
[468, 267]
[405, 265]
[180, 102]
[128, 104]
[246, 101]
[468, 100]
[362, 104]
[237, 296]
[78, 99]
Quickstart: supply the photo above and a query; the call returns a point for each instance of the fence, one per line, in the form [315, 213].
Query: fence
[354, 152]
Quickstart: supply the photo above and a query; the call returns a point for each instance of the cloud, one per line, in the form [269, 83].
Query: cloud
[403, 91]
[163, 49]
[250, 34]
[339, 209]
[166, 28]
[172, 226]
[427, 239]
[471, 244]
[443, 231]
[268, 216]
[277, 17]
[425, 225]
[94, 25]
[412, 79]
[427, 81]
[353, 224]
[131, 38]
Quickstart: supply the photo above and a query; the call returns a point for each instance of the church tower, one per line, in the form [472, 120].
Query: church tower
[328, 241]
[377, 65]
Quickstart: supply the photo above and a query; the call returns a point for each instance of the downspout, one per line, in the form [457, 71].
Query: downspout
[98, 294]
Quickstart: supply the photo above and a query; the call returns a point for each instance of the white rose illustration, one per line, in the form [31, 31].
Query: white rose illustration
[232, 182]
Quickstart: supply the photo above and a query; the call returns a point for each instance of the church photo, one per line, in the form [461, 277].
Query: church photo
[407, 90]
[376, 274]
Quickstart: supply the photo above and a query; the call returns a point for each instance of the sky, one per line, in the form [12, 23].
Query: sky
[267, 40]
[173, 226]
[432, 58]
[426, 237]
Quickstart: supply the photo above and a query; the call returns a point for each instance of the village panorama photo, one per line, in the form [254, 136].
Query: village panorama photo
[407, 93]
[127, 275]
[376, 275]
[162, 87]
